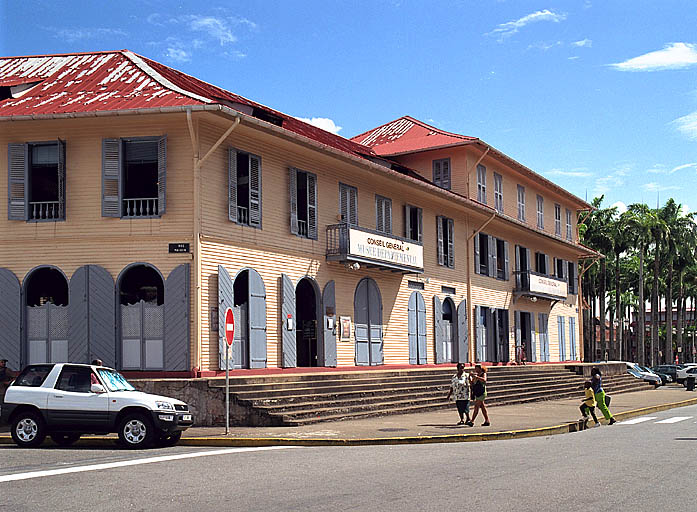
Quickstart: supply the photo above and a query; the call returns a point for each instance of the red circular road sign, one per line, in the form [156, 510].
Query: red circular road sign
[229, 326]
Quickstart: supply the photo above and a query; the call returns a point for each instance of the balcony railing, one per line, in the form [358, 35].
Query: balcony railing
[44, 210]
[302, 227]
[140, 207]
[243, 215]
[536, 284]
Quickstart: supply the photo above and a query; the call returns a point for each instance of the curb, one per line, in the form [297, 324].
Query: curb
[247, 442]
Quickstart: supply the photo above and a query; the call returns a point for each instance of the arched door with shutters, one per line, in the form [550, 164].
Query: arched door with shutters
[417, 329]
[449, 327]
[46, 309]
[367, 305]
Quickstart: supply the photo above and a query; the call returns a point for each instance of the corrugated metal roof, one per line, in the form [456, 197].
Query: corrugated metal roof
[122, 80]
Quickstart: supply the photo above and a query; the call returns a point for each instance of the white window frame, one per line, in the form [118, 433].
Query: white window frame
[569, 232]
[540, 212]
[481, 184]
[521, 203]
[498, 192]
[557, 219]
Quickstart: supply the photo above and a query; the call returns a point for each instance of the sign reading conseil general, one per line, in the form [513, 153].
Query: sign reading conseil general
[385, 249]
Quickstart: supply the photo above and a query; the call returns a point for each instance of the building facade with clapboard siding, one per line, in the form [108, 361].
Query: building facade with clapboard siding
[142, 203]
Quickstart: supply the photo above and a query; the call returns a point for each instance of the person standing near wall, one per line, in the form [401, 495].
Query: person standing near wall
[597, 385]
[460, 387]
[479, 391]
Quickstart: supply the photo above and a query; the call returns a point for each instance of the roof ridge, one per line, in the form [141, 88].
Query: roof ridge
[380, 126]
[436, 129]
[69, 54]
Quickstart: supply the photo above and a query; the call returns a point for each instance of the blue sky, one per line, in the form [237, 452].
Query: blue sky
[599, 97]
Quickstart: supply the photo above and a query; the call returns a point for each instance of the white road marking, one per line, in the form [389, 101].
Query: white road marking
[634, 421]
[675, 419]
[134, 462]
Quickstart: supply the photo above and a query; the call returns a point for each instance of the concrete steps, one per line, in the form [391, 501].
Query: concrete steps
[312, 398]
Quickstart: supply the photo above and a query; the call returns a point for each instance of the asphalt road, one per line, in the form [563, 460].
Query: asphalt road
[644, 464]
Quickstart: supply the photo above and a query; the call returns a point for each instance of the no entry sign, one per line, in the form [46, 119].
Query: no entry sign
[229, 326]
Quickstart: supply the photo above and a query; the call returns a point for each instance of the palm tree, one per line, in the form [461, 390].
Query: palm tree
[669, 215]
[638, 229]
[620, 244]
[657, 228]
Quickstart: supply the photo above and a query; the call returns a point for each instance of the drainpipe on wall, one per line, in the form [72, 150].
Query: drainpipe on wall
[472, 321]
[197, 162]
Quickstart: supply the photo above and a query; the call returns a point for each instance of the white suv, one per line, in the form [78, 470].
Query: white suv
[67, 400]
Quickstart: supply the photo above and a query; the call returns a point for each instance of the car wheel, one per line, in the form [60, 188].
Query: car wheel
[28, 429]
[167, 440]
[136, 431]
[65, 439]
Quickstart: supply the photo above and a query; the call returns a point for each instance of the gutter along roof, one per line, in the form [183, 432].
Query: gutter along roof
[123, 83]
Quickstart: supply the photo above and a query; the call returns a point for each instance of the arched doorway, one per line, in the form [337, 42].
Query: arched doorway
[141, 293]
[449, 346]
[46, 293]
[417, 329]
[306, 309]
[240, 345]
[367, 308]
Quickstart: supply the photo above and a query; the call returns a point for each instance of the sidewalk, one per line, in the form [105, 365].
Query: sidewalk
[509, 421]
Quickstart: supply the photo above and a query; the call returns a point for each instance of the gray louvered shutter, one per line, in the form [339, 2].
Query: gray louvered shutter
[445, 174]
[421, 340]
[438, 329]
[407, 222]
[572, 338]
[388, 215]
[562, 338]
[232, 184]
[518, 336]
[353, 206]
[329, 305]
[506, 274]
[533, 339]
[421, 224]
[451, 244]
[440, 248]
[111, 177]
[480, 340]
[162, 175]
[311, 206]
[490, 343]
[344, 203]
[254, 191]
[257, 320]
[289, 349]
[293, 189]
[412, 328]
[518, 279]
[177, 309]
[79, 317]
[101, 300]
[556, 270]
[547, 272]
[379, 217]
[61, 180]
[463, 345]
[17, 162]
[10, 319]
[477, 268]
[491, 242]
[226, 299]
[437, 176]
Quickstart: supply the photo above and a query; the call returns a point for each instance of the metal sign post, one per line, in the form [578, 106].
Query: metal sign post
[229, 337]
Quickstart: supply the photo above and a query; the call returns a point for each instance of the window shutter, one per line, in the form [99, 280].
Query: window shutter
[61, 179]
[388, 216]
[17, 205]
[445, 174]
[232, 184]
[343, 203]
[556, 269]
[379, 213]
[254, 191]
[436, 173]
[407, 221]
[161, 175]
[547, 272]
[293, 189]
[439, 228]
[311, 206]
[476, 254]
[451, 244]
[111, 178]
[492, 256]
[506, 275]
[438, 329]
[421, 225]
[353, 206]
[517, 267]
[462, 333]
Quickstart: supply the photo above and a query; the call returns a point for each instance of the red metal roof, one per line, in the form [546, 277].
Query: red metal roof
[406, 135]
[122, 80]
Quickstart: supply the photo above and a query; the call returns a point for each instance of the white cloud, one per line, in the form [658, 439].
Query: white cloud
[672, 56]
[543, 46]
[692, 165]
[684, 209]
[657, 169]
[573, 58]
[216, 28]
[583, 43]
[324, 123]
[509, 28]
[613, 180]
[621, 207]
[77, 34]
[657, 187]
[177, 54]
[687, 125]
[573, 173]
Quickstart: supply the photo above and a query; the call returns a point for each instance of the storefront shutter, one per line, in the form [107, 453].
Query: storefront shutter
[311, 206]
[562, 338]
[257, 320]
[477, 269]
[226, 299]
[177, 323]
[506, 274]
[412, 328]
[421, 327]
[572, 338]
[329, 305]
[232, 184]
[254, 191]
[78, 317]
[61, 179]
[518, 336]
[462, 333]
[439, 245]
[17, 204]
[162, 175]
[533, 339]
[293, 190]
[289, 349]
[438, 328]
[102, 323]
[111, 178]
[10, 319]
[480, 334]
[451, 244]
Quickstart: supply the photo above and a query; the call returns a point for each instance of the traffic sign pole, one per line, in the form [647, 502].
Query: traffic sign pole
[229, 337]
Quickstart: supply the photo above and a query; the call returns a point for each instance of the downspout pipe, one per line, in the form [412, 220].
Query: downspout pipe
[197, 163]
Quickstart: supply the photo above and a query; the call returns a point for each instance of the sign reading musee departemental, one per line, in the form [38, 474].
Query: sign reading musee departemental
[548, 286]
[381, 248]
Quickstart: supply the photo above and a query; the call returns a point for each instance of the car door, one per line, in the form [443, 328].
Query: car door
[73, 406]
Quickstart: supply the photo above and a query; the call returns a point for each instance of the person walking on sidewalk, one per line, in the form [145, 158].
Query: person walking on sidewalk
[588, 405]
[460, 387]
[597, 385]
[478, 381]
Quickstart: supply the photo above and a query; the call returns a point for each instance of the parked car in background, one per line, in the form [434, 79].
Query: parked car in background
[66, 401]
[646, 377]
[668, 369]
[665, 378]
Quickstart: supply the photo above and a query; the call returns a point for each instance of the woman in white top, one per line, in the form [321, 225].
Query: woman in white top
[460, 387]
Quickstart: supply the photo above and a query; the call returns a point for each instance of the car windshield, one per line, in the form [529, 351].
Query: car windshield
[114, 380]
[633, 372]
